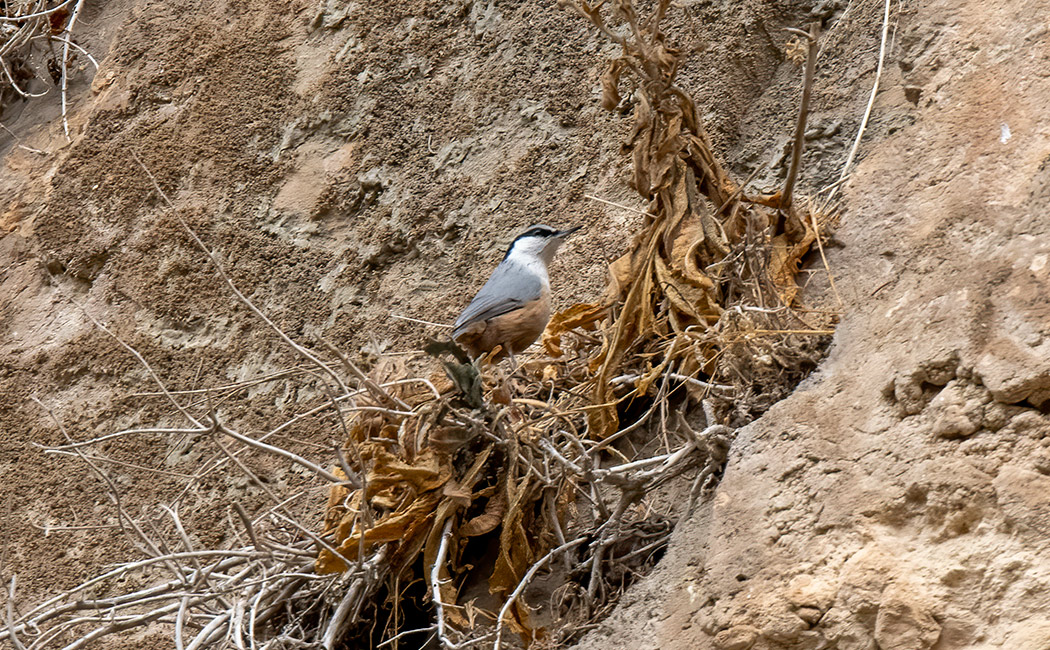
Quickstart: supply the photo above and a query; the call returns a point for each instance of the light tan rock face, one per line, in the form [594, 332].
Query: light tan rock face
[899, 499]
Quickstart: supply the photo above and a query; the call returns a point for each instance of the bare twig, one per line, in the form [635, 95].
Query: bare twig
[421, 322]
[529, 575]
[351, 601]
[246, 521]
[435, 585]
[619, 205]
[19, 18]
[871, 102]
[142, 360]
[824, 260]
[65, 62]
[373, 388]
[114, 493]
[180, 620]
[397, 637]
[803, 113]
[306, 354]
[11, 614]
[703, 385]
[277, 451]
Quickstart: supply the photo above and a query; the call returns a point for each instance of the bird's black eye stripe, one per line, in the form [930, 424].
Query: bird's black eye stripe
[539, 231]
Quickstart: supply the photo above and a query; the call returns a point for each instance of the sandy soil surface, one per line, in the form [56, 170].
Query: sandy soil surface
[351, 162]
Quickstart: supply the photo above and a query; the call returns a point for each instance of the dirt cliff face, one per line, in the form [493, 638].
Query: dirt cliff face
[349, 162]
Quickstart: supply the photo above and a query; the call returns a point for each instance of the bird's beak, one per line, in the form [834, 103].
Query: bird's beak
[565, 233]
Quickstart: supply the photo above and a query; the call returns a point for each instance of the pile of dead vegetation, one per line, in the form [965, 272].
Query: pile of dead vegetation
[496, 505]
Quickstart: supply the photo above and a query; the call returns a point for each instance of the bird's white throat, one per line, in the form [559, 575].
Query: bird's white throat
[529, 261]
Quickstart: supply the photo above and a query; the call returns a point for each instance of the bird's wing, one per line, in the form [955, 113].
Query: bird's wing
[508, 289]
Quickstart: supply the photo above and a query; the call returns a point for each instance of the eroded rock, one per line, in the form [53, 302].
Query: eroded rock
[905, 621]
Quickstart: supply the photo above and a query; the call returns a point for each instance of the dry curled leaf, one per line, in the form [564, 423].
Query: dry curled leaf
[582, 316]
[611, 85]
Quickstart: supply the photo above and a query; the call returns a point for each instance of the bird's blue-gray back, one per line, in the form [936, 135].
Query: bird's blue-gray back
[511, 287]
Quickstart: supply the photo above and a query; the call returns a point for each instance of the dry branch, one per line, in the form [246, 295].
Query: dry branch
[803, 113]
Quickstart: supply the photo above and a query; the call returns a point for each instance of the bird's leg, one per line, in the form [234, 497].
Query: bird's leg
[508, 379]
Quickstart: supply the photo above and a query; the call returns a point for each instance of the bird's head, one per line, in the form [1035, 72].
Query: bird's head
[539, 241]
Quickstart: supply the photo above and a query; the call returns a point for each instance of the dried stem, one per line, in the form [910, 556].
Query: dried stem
[435, 586]
[65, 63]
[803, 113]
[306, 354]
[529, 575]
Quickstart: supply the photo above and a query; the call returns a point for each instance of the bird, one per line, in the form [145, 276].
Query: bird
[512, 309]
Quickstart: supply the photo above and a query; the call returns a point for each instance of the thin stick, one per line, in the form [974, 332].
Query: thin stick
[12, 133]
[65, 64]
[60, 39]
[624, 379]
[435, 585]
[824, 259]
[103, 459]
[803, 114]
[740, 190]
[17, 18]
[186, 543]
[47, 530]
[295, 458]
[338, 622]
[126, 624]
[229, 283]
[374, 389]
[397, 637]
[135, 353]
[236, 624]
[47, 610]
[619, 205]
[118, 434]
[11, 614]
[246, 521]
[122, 514]
[831, 186]
[209, 630]
[288, 519]
[420, 321]
[253, 616]
[871, 100]
[14, 84]
[247, 383]
[529, 575]
[179, 621]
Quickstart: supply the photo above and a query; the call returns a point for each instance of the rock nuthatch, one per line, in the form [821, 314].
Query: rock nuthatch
[513, 307]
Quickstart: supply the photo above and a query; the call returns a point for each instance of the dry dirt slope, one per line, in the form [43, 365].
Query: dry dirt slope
[352, 162]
